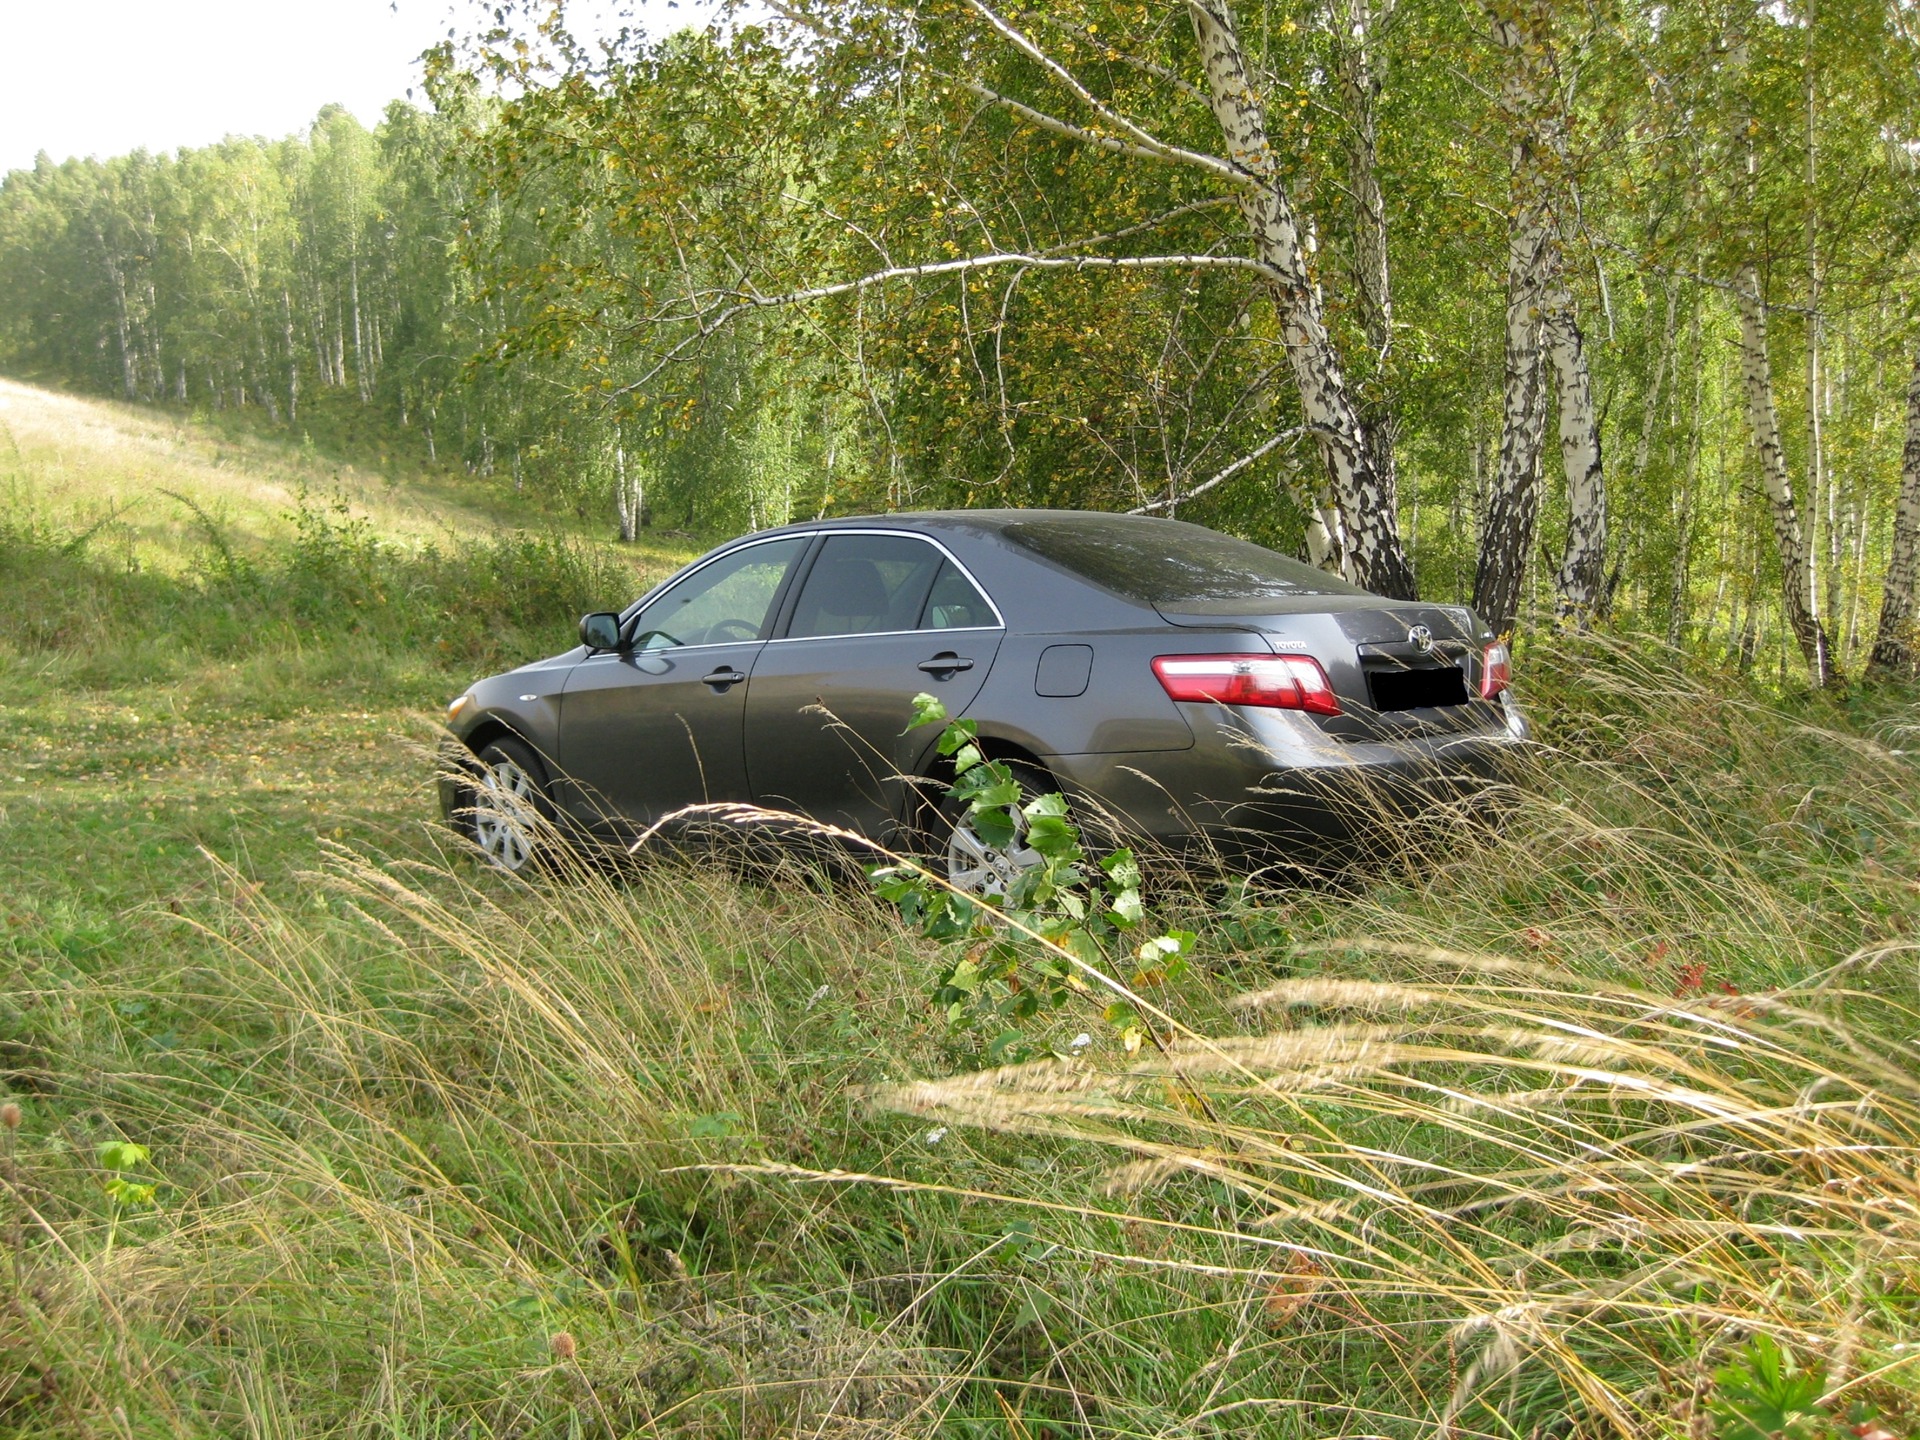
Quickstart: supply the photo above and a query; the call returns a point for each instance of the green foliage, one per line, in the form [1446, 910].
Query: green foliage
[571, 267]
[1762, 1395]
[1018, 956]
[120, 1158]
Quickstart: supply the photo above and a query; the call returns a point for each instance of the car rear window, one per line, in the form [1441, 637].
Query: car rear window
[1164, 561]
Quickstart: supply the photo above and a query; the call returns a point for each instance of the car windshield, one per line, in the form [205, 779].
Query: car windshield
[1166, 561]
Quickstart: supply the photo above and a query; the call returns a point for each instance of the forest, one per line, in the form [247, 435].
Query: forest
[1335, 276]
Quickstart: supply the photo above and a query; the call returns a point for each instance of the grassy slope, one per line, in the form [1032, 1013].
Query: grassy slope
[410, 1124]
[146, 714]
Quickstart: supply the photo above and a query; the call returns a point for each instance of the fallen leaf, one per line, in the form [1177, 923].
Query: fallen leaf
[1293, 1290]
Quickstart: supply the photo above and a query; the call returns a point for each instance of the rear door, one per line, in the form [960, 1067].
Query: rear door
[880, 617]
[648, 730]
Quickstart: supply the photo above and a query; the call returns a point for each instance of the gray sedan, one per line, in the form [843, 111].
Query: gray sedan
[1180, 685]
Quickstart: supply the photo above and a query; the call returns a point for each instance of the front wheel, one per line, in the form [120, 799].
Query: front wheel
[507, 818]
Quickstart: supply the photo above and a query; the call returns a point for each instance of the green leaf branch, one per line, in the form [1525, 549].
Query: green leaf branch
[1061, 920]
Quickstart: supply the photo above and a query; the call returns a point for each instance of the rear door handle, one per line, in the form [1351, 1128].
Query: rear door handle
[724, 679]
[946, 663]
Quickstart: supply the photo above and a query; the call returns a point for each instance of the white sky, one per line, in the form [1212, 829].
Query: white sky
[102, 77]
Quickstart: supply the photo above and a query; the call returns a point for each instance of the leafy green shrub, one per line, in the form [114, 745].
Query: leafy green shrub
[1060, 927]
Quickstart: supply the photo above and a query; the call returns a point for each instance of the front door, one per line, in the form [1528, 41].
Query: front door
[656, 727]
[879, 618]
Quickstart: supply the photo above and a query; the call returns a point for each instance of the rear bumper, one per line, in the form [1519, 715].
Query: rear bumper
[1255, 780]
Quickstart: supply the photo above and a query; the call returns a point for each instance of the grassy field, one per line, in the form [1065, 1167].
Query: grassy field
[320, 1130]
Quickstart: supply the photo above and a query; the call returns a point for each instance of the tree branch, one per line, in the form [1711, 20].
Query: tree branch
[1225, 475]
[1066, 77]
[709, 321]
[1156, 150]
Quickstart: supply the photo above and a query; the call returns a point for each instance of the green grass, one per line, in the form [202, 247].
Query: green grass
[1529, 1133]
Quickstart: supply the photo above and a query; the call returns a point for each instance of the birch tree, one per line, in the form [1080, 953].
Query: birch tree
[1542, 334]
[1368, 503]
[1896, 648]
[1791, 538]
[1792, 535]
[1357, 27]
[951, 65]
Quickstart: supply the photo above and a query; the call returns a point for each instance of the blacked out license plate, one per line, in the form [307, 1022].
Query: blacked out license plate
[1418, 689]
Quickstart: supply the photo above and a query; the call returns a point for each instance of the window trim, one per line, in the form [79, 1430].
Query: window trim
[786, 621]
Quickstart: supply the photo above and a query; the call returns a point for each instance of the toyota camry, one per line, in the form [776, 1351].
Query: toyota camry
[1182, 685]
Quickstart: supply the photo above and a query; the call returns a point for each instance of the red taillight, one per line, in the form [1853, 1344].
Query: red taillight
[1496, 671]
[1279, 682]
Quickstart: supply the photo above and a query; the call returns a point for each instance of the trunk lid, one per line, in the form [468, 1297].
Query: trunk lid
[1402, 669]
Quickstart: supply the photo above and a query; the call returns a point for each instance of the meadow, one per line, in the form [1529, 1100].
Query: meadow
[1601, 1122]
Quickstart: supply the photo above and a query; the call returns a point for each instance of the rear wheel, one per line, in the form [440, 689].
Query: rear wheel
[975, 867]
[508, 817]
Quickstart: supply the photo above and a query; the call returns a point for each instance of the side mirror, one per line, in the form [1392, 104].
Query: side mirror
[600, 630]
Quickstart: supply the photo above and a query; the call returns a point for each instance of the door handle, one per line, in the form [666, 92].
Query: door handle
[723, 679]
[945, 664]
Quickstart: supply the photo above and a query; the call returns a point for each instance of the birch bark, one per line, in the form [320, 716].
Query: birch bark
[1356, 25]
[1789, 534]
[629, 494]
[293, 358]
[117, 278]
[1508, 522]
[359, 339]
[1512, 510]
[1896, 649]
[1540, 316]
[1581, 583]
[1364, 496]
[1793, 540]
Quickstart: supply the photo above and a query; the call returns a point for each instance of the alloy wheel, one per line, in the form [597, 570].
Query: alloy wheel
[977, 868]
[505, 813]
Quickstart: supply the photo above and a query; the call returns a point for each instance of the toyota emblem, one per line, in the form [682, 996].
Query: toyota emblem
[1422, 639]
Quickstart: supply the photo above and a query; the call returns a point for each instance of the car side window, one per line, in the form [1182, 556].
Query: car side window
[865, 585]
[729, 599]
[955, 603]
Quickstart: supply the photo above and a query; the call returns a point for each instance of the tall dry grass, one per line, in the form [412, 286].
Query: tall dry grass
[413, 1130]
[1533, 1199]
[438, 1151]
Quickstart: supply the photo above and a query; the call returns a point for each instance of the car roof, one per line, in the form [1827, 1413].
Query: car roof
[990, 520]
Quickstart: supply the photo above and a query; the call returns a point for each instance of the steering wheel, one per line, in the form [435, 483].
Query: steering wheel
[724, 630]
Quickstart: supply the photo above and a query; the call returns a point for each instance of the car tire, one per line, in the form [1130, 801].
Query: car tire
[966, 861]
[508, 817]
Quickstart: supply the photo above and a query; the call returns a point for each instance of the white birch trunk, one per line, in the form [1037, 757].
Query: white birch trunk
[1367, 504]
[1540, 315]
[1512, 510]
[1582, 580]
[1896, 649]
[293, 359]
[1789, 534]
[1356, 22]
[359, 336]
[121, 327]
[629, 495]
